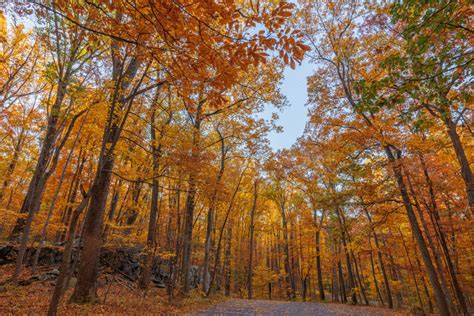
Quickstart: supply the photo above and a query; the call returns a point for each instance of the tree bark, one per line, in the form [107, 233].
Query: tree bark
[251, 242]
[318, 265]
[85, 290]
[466, 171]
[342, 286]
[442, 239]
[65, 268]
[376, 284]
[210, 218]
[352, 283]
[32, 204]
[380, 259]
[219, 242]
[112, 209]
[227, 259]
[434, 249]
[154, 209]
[190, 202]
[412, 270]
[56, 193]
[290, 282]
[396, 168]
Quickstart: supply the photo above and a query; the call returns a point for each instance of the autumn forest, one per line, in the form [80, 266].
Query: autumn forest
[137, 175]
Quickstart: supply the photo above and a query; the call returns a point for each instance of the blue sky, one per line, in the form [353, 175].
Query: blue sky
[293, 118]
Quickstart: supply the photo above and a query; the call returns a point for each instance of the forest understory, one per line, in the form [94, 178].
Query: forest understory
[118, 293]
[117, 296]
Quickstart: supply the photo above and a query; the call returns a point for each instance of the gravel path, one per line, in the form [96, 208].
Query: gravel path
[281, 308]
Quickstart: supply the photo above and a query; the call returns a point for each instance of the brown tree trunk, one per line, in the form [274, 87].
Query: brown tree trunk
[32, 202]
[190, 203]
[71, 196]
[427, 293]
[290, 282]
[176, 260]
[85, 290]
[318, 265]
[434, 249]
[380, 259]
[112, 209]
[396, 168]
[65, 268]
[442, 239]
[342, 286]
[376, 284]
[227, 259]
[359, 280]
[352, 283]
[154, 210]
[150, 250]
[251, 242]
[219, 242]
[210, 218]
[56, 193]
[412, 270]
[466, 171]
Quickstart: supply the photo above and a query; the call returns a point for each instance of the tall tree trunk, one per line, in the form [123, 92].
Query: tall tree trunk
[32, 200]
[65, 268]
[176, 260]
[359, 280]
[190, 203]
[251, 242]
[318, 265]
[290, 282]
[221, 232]
[442, 239]
[71, 197]
[67, 57]
[45, 167]
[85, 290]
[425, 288]
[395, 162]
[412, 270]
[210, 218]
[380, 259]
[396, 168]
[350, 273]
[372, 265]
[151, 245]
[466, 171]
[342, 286]
[227, 259]
[434, 249]
[154, 210]
[112, 209]
[56, 194]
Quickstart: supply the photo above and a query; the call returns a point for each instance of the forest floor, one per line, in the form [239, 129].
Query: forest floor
[119, 297]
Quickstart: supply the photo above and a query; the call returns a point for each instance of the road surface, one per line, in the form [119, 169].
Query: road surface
[239, 307]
